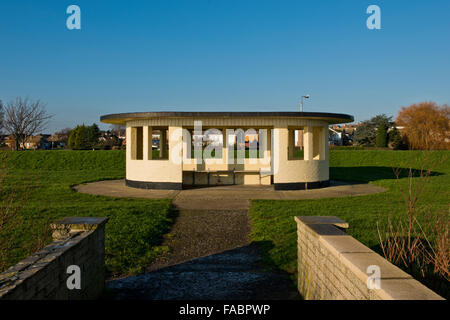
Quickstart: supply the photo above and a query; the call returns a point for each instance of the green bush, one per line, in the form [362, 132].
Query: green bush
[84, 138]
[381, 136]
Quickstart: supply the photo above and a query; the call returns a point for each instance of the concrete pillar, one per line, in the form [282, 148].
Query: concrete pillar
[309, 143]
[176, 148]
[147, 143]
[129, 144]
[265, 143]
[187, 145]
[279, 151]
[224, 146]
[229, 144]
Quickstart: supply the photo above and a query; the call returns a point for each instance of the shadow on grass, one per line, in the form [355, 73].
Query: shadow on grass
[372, 173]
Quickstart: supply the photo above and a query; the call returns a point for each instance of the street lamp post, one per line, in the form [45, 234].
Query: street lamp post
[301, 102]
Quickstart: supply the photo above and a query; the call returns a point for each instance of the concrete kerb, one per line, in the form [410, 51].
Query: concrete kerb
[229, 194]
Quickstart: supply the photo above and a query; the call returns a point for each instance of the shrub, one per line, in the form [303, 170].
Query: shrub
[381, 136]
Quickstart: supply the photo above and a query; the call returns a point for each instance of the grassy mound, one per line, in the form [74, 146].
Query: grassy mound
[44, 180]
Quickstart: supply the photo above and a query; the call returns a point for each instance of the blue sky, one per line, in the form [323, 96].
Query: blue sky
[205, 55]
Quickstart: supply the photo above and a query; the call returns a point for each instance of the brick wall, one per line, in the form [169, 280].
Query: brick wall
[43, 275]
[334, 266]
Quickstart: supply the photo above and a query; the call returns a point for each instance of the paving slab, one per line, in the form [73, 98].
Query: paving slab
[234, 193]
[231, 275]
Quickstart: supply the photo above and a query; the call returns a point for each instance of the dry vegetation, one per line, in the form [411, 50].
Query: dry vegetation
[426, 126]
[418, 240]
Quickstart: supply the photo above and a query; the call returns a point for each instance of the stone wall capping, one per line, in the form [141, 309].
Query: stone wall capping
[323, 220]
[405, 289]
[334, 265]
[321, 230]
[358, 263]
[77, 241]
[343, 244]
[68, 227]
[79, 223]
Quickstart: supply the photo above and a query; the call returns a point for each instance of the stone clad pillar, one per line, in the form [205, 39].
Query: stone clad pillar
[309, 143]
[187, 146]
[224, 146]
[128, 143]
[133, 143]
[148, 150]
[279, 151]
[145, 143]
[175, 145]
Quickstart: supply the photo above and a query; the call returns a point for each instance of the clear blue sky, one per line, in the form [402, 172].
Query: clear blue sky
[250, 55]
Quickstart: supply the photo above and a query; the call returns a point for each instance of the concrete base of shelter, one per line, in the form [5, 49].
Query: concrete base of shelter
[336, 189]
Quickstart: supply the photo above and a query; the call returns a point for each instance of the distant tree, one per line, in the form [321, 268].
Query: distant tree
[24, 118]
[64, 134]
[76, 139]
[118, 129]
[382, 119]
[345, 138]
[396, 141]
[84, 137]
[426, 125]
[381, 135]
[93, 133]
[110, 141]
[366, 133]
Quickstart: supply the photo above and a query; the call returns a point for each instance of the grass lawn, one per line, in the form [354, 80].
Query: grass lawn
[273, 220]
[135, 228]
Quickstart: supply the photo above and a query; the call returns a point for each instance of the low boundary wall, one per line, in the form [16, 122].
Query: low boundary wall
[78, 242]
[335, 266]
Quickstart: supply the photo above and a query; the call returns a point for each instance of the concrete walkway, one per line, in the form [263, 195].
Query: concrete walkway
[236, 197]
[211, 256]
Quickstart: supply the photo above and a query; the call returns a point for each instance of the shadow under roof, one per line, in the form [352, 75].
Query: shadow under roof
[122, 118]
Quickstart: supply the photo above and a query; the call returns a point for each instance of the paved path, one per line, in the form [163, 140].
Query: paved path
[236, 196]
[231, 275]
[211, 255]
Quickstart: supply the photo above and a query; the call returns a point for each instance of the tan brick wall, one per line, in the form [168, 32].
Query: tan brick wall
[333, 266]
[43, 275]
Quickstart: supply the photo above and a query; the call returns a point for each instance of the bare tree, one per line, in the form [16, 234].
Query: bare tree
[24, 118]
[118, 129]
[64, 134]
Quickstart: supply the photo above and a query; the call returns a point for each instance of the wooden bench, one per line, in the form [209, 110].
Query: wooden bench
[234, 171]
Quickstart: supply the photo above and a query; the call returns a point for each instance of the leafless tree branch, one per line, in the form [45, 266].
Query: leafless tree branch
[24, 118]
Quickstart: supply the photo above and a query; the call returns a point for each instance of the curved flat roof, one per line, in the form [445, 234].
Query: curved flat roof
[122, 118]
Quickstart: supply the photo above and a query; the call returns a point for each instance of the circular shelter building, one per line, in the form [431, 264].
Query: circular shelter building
[172, 150]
